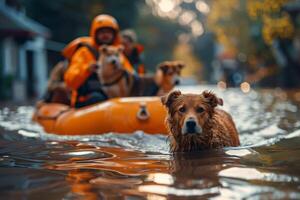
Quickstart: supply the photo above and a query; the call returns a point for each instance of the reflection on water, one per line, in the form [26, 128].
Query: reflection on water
[36, 165]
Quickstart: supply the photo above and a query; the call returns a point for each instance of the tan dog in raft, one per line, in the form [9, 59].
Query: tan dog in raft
[117, 82]
[194, 122]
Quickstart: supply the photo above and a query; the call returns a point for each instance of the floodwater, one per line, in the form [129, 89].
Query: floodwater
[37, 165]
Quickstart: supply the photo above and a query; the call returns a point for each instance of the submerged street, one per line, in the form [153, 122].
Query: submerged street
[118, 166]
[152, 99]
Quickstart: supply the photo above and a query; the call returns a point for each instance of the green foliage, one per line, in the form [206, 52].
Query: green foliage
[159, 37]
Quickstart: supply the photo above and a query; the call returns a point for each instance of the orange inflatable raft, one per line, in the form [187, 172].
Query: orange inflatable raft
[121, 115]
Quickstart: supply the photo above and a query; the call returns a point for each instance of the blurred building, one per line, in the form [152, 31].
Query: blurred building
[23, 58]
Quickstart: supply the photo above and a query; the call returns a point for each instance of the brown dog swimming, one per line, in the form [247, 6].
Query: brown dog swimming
[194, 122]
[117, 82]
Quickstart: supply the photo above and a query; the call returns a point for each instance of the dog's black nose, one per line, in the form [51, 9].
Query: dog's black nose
[113, 62]
[191, 126]
[177, 82]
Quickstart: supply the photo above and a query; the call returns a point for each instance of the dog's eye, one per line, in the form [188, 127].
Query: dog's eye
[182, 109]
[199, 110]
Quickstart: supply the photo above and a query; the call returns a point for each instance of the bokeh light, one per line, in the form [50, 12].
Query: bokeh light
[174, 10]
[166, 5]
[202, 7]
[186, 17]
[222, 85]
[197, 28]
[245, 87]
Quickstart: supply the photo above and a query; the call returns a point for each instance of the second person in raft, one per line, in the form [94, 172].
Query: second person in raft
[81, 76]
[133, 50]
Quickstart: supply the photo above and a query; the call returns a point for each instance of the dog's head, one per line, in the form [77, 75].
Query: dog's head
[189, 115]
[110, 57]
[169, 72]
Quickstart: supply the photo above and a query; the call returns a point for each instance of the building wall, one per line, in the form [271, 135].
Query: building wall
[7, 68]
[15, 69]
[39, 64]
[23, 63]
[1, 70]
[8, 57]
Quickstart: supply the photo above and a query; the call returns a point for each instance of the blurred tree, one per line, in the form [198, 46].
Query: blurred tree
[275, 22]
[69, 19]
[256, 29]
[184, 52]
[205, 49]
[278, 31]
[159, 37]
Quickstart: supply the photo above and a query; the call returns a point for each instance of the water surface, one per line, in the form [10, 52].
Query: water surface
[38, 165]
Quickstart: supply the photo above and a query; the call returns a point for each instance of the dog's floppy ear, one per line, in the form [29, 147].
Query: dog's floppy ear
[212, 99]
[180, 65]
[168, 99]
[163, 66]
[104, 48]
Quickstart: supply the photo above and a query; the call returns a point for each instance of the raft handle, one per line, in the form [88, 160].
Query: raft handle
[143, 113]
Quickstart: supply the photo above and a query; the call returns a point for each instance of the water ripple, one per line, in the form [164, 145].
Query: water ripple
[139, 166]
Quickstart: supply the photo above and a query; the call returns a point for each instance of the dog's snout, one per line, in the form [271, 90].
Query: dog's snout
[114, 62]
[191, 124]
[177, 82]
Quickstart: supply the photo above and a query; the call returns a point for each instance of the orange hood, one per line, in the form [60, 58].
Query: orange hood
[105, 21]
[71, 48]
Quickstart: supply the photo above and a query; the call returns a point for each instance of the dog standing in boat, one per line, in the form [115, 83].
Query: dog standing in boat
[168, 75]
[194, 122]
[111, 73]
[117, 82]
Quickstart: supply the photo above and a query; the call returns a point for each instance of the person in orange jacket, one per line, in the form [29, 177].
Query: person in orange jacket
[57, 91]
[70, 49]
[133, 51]
[81, 74]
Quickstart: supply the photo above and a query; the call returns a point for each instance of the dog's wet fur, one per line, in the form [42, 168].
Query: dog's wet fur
[194, 123]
